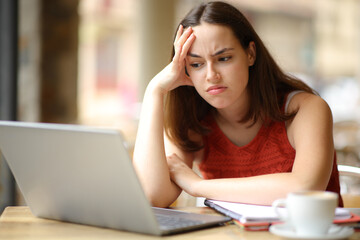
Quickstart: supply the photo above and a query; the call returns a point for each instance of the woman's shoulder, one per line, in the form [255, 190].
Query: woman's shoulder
[304, 102]
[313, 115]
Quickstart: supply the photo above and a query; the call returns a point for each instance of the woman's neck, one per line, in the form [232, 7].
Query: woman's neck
[238, 132]
[235, 113]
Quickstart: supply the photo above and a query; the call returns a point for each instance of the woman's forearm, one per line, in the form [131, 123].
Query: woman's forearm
[261, 190]
[149, 153]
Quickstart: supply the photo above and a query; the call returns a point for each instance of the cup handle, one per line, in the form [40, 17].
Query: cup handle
[276, 205]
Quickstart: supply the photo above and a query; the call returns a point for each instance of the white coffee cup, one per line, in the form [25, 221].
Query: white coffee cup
[309, 213]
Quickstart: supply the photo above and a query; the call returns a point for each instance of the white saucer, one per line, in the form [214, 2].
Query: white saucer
[335, 232]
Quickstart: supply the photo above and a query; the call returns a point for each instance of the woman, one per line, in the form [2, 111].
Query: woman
[256, 133]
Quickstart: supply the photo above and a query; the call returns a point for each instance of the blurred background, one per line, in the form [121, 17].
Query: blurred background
[89, 61]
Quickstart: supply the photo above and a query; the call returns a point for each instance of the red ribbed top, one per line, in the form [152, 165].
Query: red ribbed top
[269, 152]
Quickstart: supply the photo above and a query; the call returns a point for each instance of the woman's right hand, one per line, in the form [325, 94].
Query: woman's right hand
[173, 75]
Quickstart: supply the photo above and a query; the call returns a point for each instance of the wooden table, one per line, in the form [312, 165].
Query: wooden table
[19, 223]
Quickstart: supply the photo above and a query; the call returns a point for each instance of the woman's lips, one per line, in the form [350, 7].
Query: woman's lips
[215, 90]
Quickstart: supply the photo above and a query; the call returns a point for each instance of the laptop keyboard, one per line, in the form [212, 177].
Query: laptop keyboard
[171, 222]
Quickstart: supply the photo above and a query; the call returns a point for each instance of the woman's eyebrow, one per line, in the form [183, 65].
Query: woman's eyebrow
[213, 55]
[193, 55]
[222, 51]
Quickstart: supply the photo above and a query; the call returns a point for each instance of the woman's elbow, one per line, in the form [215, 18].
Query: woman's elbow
[157, 201]
[160, 197]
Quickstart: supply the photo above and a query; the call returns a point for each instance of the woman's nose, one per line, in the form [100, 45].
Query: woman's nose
[212, 75]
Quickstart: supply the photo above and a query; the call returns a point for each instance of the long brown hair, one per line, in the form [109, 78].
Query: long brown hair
[267, 85]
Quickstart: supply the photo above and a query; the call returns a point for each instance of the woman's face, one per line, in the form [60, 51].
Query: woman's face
[218, 65]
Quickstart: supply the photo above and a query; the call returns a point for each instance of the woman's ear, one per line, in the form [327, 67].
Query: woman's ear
[251, 51]
[186, 72]
[188, 79]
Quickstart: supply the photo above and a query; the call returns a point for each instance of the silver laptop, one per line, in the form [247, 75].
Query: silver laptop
[84, 175]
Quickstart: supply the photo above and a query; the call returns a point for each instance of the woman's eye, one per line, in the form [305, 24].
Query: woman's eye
[195, 65]
[224, 59]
